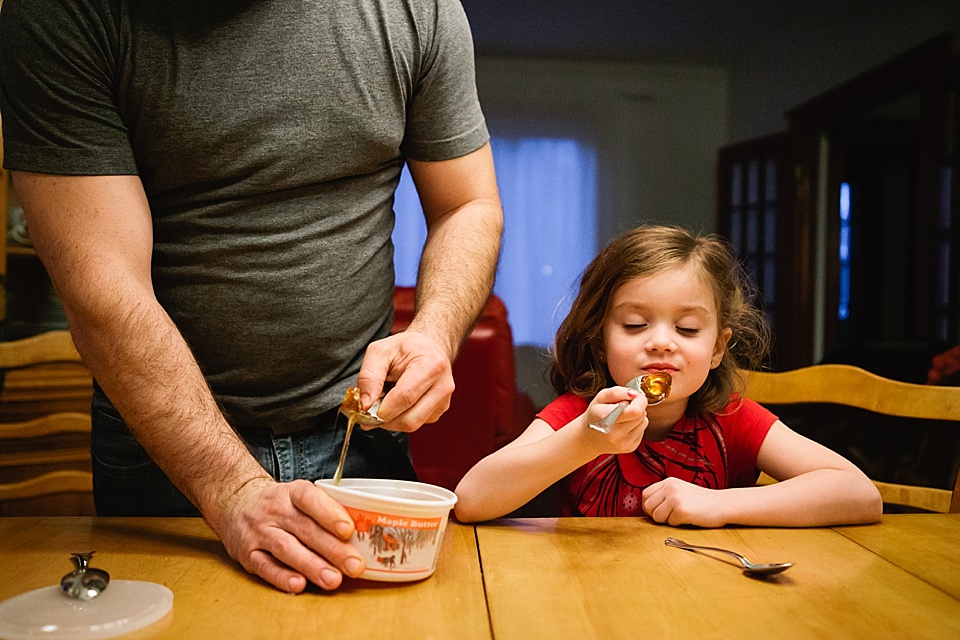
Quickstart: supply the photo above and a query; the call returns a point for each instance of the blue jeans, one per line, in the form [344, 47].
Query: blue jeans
[126, 481]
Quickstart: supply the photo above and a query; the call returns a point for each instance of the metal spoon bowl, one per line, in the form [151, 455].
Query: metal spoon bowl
[85, 582]
[656, 386]
[749, 568]
[351, 409]
[355, 415]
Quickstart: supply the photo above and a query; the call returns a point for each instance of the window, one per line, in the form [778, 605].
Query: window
[548, 190]
[944, 232]
[843, 304]
[753, 223]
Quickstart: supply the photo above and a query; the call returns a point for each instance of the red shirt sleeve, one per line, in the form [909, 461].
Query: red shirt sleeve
[745, 427]
[562, 410]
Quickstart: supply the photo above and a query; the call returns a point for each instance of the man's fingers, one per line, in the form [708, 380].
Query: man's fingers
[299, 535]
[293, 557]
[319, 507]
[330, 542]
[262, 564]
[423, 380]
[377, 361]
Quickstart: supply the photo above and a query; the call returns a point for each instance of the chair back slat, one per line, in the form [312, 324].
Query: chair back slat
[51, 346]
[854, 387]
[45, 452]
[48, 484]
[851, 386]
[48, 425]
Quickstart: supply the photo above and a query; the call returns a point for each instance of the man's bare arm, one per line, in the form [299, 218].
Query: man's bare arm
[461, 204]
[464, 224]
[94, 235]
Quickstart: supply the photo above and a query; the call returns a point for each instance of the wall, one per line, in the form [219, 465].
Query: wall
[801, 59]
[656, 129]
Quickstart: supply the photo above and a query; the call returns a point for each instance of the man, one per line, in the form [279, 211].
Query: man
[210, 188]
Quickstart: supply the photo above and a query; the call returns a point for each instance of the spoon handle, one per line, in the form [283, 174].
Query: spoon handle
[606, 423]
[338, 474]
[680, 544]
[82, 560]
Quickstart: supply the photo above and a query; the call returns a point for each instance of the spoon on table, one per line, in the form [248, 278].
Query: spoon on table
[749, 568]
[85, 582]
[356, 414]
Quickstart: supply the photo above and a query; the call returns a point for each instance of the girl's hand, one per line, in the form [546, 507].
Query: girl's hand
[628, 430]
[676, 502]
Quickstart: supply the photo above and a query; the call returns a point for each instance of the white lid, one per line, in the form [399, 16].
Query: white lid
[124, 606]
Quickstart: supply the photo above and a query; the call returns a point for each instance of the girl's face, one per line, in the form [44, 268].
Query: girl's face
[664, 322]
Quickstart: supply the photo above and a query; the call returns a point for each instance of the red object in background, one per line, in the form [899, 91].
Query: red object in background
[486, 410]
[945, 368]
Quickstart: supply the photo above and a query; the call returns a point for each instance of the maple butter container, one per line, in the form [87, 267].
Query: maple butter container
[399, 524]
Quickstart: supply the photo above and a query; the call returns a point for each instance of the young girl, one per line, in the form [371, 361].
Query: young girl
[660, 299]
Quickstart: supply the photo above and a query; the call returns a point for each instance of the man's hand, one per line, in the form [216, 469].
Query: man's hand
[422, 372]
[290, 534]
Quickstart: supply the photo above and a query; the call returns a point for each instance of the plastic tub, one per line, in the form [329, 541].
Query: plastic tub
[399, 524]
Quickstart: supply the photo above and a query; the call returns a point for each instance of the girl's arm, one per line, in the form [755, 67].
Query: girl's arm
[818, 487]
[509, 478]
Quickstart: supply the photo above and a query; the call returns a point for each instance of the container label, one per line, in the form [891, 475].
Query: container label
[394, 544]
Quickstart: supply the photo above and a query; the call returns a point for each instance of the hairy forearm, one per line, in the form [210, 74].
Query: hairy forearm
[147, 370]
[457, 270]
[94, 235]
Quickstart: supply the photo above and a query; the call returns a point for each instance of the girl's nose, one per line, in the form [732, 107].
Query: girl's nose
[660, 338]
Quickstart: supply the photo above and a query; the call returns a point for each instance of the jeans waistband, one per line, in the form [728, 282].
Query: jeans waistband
[325, 421]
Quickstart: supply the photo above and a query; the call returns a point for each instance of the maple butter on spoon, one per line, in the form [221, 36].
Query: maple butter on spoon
[352, 408]
[656, 386]
[356, 414]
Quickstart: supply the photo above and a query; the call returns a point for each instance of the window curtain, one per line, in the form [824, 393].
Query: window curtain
[548, 188]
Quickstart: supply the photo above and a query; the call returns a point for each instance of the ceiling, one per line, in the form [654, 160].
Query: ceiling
[689, 31]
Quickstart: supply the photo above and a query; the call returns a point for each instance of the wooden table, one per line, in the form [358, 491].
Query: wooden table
[562, 578]
[614, 578]
[928, 546]
[214, 598]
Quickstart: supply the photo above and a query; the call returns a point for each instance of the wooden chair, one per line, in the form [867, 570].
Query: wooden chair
[45, 458]
[852, 386]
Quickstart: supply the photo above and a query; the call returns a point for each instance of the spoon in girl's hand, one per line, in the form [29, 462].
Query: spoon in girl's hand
[656, 386]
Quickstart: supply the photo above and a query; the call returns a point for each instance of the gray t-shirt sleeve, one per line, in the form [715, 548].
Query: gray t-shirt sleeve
[444, 118]
[57, 89]
[60, 69]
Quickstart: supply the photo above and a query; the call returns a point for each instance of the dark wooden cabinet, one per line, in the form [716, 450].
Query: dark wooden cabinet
[849, 221]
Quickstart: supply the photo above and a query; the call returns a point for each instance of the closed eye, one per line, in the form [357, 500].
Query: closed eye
[689, 331]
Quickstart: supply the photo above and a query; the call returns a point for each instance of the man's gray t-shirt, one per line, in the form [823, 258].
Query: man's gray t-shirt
[269, 136]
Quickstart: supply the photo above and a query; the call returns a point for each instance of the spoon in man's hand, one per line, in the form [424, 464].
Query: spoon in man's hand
[356, 414]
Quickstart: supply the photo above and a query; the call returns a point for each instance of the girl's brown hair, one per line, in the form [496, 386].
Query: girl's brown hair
[577, 365]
